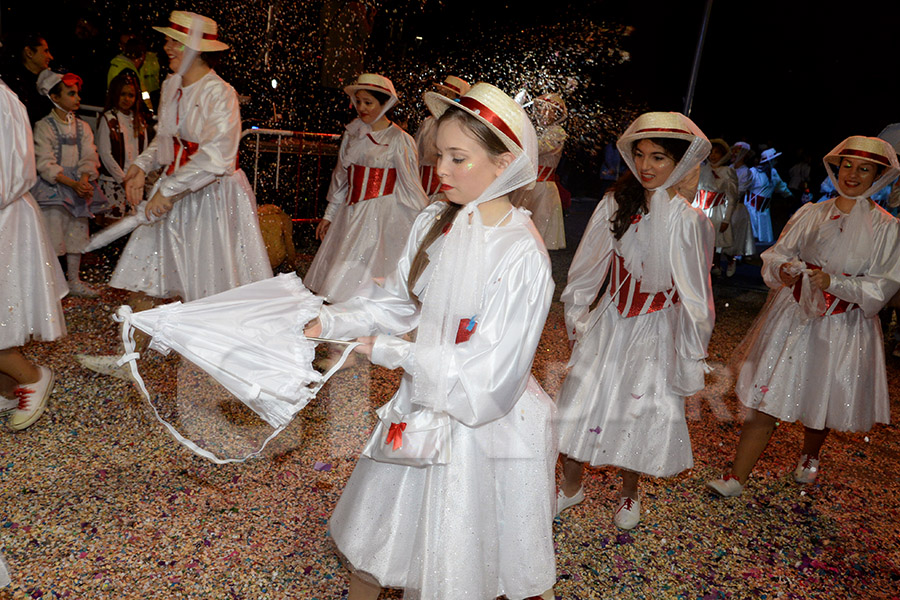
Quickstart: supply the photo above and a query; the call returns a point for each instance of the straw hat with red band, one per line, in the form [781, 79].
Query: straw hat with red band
[875, 150]
[489, 105]
[554, 100]
[454, 86]
[657, 125]
[371, 82]
[179, 28]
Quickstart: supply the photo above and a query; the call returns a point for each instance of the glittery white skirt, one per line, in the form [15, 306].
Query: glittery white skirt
[547, 214]
[829, 372]
[364, 242]
[210, 242]
[742, 243]
[478, 527]
[615, 406]
[31, 280]
[761, 221]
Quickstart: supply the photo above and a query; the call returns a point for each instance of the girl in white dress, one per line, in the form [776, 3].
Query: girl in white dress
[816, 353]
[641, 351]
[374, 197]
[717, 196]
[475, 279]
[31, 282]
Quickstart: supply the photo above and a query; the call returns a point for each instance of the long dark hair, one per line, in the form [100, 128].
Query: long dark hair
[127, 77]
[631, 196]
[494, 147]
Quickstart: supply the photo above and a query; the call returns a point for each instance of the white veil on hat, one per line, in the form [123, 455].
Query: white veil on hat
[455, 290]
[857, 232]
[651, 264]
[371, 82]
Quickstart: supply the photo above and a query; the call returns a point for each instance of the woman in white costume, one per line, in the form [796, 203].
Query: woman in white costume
[31, 281]
[543, 200]
[717, 195]
[207, 239]
[642, 350]
[764, 183]
[742, 243]
[374, 197]
[816, 353]
[453, 87]
[475, 279]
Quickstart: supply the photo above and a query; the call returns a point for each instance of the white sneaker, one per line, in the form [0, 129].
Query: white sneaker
[628, 514]
[563, 502]
[32, 401]
[8, 404]
[80, 289]
[807, 469]
[727, 486]
[105, 365]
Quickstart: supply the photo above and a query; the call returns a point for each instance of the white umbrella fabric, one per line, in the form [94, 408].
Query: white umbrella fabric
[249, 339]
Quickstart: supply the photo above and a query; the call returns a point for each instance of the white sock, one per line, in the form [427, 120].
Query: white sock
[73, 266]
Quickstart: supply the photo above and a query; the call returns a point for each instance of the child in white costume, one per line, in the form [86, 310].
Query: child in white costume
[478, 525]
[742, 243]
[453, 87]
[31, 282]
[641, 351]
[543, 200]
[717, 195]
[816, 352]
[374, 197]
[207, 239]
[67, 164]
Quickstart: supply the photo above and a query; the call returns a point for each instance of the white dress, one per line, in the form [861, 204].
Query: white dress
[31, 280]
[759, 197]
[741, 227]
[622, 403]
[374, 197]
[481, 525]
[426, 136]
[115, 123]
[210, 241]
[543, 200]
[717, 198]
[828, 371]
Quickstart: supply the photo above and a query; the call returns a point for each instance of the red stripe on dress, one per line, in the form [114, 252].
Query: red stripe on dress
[833, 304]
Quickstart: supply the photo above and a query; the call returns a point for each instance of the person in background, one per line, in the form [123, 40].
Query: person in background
[717, 196]
[452, 87]
[145, 65]
[31, 56]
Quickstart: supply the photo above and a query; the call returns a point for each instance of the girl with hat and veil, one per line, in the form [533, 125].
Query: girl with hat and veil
[815, 354]
[468, 513]
[641, 351]
[374, 196]
[205, 237]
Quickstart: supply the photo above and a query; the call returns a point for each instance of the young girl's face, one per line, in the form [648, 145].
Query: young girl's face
[126, 98]
[68, 99]
[653, 164]
[856, 176]
[367, 107]
[464, 166]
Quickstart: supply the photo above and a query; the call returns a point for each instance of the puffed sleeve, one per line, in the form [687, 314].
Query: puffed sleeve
[489, 372]
[147, 161]
[340, 183]
[780, 186]
[690, 251]
[89, 161]
[217, 149]
[45, 151]
[787, 247]
[17, 170]
[406, 161]
[104, 149]
[589, 267]
[872, 290]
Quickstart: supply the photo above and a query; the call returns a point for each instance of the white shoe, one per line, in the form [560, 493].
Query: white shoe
[32, 401]
[731, 269]
[105, 365]
[563, 502]
[807, 469]
[727, 486]
[80, 289]
[8, 405]
[628, 514]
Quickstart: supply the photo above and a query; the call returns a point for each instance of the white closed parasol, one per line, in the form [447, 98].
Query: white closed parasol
[249, 339]
[120, 228]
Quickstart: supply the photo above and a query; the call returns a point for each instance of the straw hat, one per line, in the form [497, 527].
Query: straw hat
[48, 79]
[875, 150]
[454, 85]
[721, 144]
[179, 28]
[768, 154]
[489, 105]
[656, 125]
[554, 100]
[371, 82]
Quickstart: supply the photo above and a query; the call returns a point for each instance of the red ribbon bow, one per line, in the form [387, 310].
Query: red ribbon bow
[395, 435]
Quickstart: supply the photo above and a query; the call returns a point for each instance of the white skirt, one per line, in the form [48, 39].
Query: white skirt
[742, 243]
[615, 406]
[547, 214]
[31, 281]
[210, 242]
[479, 527]
[364, 242]
[828, 372]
